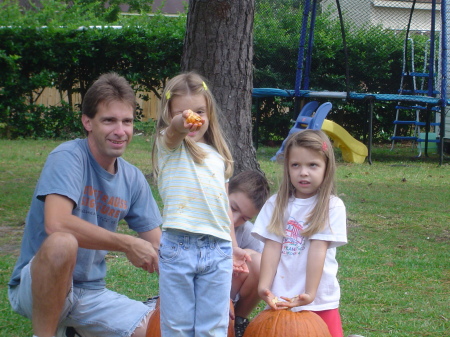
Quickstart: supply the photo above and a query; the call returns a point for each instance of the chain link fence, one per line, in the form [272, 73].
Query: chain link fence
[361, 46]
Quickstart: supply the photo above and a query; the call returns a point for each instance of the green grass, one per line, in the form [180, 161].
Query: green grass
[394, 272]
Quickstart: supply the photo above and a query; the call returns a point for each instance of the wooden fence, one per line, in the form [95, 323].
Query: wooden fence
[51, 97]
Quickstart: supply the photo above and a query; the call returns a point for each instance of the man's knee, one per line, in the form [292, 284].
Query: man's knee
[141, 329]
[58, 250]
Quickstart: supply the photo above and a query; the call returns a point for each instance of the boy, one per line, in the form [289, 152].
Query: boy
[247, 193]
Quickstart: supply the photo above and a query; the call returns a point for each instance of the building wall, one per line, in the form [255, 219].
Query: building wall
[390, 14]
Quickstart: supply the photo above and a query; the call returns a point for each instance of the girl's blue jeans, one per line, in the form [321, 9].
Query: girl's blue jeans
[195, 281]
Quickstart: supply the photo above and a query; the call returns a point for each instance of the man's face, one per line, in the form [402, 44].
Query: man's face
[242, 208]
[109, 132]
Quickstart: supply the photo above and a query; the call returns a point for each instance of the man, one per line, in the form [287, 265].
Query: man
[85, 189]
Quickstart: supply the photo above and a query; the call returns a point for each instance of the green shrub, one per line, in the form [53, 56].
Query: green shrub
[38, 121]
[71, 59]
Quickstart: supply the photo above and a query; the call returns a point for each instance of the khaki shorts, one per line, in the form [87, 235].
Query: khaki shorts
[92, 312]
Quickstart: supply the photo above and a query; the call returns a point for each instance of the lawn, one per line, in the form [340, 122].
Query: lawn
[394, 272]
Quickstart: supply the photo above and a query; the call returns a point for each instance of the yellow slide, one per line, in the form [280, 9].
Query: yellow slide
[353, 150]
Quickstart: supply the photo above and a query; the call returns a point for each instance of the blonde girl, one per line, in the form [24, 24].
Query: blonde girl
[301, 227]
[192, 164]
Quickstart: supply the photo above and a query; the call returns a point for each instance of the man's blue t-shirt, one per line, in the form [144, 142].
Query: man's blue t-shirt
[101, 198]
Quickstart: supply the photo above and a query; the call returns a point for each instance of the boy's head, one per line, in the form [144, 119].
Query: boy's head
[247, 192]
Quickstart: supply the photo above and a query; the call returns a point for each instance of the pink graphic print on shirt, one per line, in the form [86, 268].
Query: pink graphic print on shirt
[293, 242]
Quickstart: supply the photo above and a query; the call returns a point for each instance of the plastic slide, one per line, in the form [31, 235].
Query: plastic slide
[353, 151]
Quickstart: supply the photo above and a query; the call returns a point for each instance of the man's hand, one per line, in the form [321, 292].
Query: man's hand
[240, 257]
[142, 255]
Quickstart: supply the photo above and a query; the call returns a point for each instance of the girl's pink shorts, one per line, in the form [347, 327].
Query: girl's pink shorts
[333, 319]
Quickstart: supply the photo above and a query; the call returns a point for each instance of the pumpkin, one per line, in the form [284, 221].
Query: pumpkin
[286, 323]
[154, 323]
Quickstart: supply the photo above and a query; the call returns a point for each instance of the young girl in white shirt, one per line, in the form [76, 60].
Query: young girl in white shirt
[301, 226]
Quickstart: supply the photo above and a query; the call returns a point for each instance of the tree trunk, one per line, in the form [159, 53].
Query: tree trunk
[219, 45]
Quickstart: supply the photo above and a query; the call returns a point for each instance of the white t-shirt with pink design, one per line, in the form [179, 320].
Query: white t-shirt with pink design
[290, 278]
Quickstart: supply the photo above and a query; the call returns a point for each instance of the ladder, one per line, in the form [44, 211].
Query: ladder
[412, 113]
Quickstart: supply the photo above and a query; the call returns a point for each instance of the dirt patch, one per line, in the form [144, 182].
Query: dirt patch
[10, 239]
[444, 237]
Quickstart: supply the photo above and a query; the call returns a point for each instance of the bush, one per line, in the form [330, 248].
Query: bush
[71, 59]
[38, 121]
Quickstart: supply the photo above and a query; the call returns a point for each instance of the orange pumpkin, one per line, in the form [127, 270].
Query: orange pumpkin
[154, 323]
[286, 323]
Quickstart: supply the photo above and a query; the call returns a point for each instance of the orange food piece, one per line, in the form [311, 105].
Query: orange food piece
[194, 118]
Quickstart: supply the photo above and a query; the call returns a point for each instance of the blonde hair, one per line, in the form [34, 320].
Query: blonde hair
[315, 140]
[191, 83]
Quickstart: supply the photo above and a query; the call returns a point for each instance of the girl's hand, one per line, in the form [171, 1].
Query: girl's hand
[296, 301]
[268, 297]
[240, 257]
[192, 121]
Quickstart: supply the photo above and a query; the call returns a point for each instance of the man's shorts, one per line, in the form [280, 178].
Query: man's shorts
[99, 312]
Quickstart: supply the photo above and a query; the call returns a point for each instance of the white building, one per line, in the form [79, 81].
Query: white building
[393, 14]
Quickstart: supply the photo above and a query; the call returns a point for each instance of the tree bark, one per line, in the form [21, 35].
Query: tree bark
[219, 45]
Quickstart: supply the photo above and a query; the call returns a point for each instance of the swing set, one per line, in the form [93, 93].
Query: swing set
[428, 99]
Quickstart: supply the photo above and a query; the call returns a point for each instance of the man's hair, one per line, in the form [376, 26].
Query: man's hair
[108, 88]
[252, 183]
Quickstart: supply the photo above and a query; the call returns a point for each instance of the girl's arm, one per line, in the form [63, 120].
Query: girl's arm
[240, 256]
[269, 263]
[314, 269]
[178, 130]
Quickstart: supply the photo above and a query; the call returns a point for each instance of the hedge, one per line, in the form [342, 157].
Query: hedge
[71, 59]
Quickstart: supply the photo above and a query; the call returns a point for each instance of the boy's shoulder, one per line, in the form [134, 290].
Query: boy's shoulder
[245, 239]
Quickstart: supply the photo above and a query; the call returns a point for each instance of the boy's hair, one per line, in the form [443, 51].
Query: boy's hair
[191, 83]
[315, 140]
[108, 88]
[253, 184]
